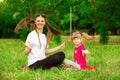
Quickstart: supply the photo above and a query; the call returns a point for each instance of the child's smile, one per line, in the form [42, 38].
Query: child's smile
[77, 41]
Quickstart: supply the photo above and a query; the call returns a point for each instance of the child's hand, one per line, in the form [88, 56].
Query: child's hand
[87, 52]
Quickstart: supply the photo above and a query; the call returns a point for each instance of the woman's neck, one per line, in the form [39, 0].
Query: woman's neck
[39, 31]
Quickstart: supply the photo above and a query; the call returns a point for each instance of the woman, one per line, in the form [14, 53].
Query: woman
[36, 47]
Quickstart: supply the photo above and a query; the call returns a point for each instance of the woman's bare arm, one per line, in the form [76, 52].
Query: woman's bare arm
[55, 49]
[27, 48]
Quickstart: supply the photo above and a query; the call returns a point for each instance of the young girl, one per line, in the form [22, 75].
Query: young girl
[79, 52]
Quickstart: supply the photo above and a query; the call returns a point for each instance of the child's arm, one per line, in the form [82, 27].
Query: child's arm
[85, 52]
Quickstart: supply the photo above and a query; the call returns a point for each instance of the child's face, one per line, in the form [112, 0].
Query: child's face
[77, 41]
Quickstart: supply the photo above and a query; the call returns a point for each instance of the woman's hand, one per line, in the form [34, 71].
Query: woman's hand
[62, 45]
[56, 48]
[28, 48]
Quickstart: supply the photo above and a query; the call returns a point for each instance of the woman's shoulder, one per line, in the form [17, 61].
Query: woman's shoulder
[43, 34]
[32, 33]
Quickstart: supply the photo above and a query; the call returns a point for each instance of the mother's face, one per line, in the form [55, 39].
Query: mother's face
[40, 22]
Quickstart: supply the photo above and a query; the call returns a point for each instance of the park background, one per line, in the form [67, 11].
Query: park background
[100, 18]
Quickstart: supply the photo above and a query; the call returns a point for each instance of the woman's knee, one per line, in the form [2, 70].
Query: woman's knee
[62, 55]
[59, 56]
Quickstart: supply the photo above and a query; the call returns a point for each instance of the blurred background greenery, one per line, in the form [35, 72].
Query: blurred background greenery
[101, 17]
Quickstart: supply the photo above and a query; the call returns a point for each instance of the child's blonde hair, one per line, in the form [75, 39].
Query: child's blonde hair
[75, 35]
[80, 34]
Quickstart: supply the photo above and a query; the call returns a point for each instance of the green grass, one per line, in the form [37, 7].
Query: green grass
[105, 57]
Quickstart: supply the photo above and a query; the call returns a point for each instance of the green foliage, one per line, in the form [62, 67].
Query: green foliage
[23, 34]
[57, 39]
[84, 12]
[6, 26]
[67, 18]
[66, 32]
[103, 35]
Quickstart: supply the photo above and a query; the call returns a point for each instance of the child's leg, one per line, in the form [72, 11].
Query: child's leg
[71, 63]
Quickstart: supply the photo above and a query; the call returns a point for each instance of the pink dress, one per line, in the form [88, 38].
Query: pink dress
[78, 57]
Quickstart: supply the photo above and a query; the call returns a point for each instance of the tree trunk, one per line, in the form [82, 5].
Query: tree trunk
[74, 25]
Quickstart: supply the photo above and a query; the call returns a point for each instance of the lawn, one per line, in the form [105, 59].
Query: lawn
[105, 57]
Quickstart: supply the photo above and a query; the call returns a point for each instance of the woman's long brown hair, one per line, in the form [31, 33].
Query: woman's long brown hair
[51, 30]
[25, 21]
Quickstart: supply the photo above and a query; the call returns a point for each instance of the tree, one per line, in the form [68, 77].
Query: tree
[104, 17]
[97, 16]
[6, 21]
